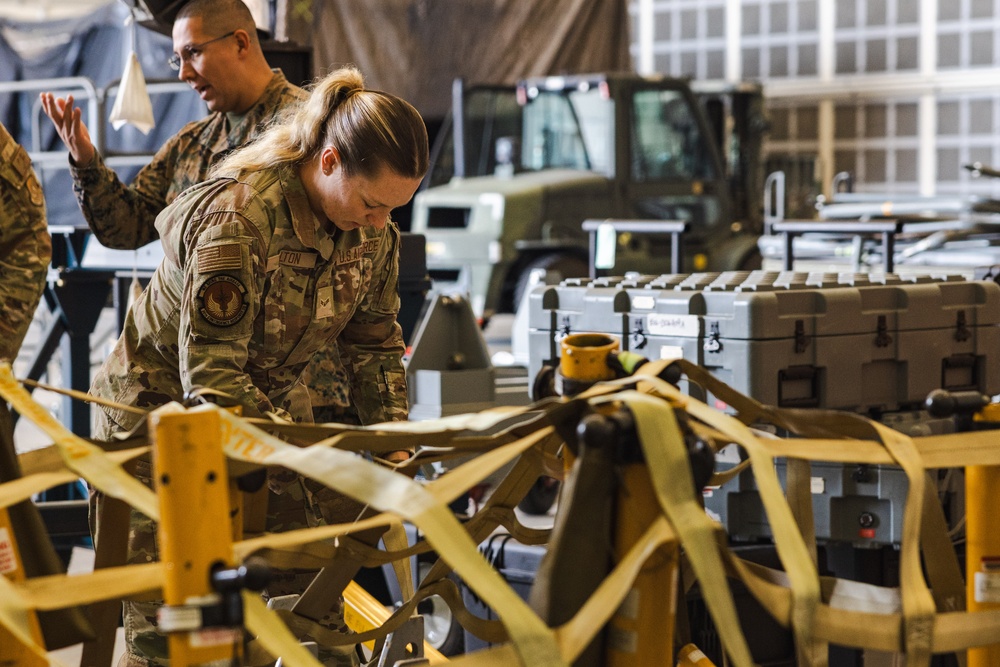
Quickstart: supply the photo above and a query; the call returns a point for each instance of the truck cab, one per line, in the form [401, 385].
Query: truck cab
[532, 162]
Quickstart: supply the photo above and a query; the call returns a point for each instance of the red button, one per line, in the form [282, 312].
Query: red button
[868, 533]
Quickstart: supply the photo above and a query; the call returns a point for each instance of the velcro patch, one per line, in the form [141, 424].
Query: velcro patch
[355, 253]
[222, 257]
[324, 302]
[222, 300]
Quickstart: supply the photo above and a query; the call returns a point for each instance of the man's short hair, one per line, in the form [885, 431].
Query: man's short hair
[223, 15]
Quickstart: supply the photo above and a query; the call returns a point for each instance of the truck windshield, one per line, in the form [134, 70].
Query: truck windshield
[667, 143]
[568, 129]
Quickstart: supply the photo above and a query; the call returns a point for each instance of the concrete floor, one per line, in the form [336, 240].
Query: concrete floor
[81, 562]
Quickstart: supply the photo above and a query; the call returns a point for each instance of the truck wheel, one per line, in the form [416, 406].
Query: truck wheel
[441, 630]
[565, 264]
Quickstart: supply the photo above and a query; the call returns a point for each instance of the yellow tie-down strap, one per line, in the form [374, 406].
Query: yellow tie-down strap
[78, 456]
[426, 507]
[909, 620]
[369, 483]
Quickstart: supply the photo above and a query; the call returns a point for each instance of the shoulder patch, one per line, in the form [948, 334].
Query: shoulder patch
[222, 300]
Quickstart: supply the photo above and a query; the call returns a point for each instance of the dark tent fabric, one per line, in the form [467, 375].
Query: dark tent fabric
[413, 48]
[96, 47]
[416, 48]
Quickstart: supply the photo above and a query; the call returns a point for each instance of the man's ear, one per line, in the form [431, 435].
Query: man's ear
[243, 41]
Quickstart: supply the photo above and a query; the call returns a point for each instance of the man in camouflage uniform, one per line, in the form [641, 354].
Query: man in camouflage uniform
[253, 284]
[25, 245]
[218, 53]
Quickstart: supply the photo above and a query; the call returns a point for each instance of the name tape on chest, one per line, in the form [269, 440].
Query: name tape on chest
[296, 258]
[357, 252]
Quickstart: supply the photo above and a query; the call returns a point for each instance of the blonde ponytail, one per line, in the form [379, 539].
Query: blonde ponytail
[370, 130]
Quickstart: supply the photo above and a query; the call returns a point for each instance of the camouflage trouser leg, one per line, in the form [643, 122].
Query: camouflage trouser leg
[336, 414]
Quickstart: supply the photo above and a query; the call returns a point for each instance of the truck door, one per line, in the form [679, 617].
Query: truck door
[669, 167]
[482, 131]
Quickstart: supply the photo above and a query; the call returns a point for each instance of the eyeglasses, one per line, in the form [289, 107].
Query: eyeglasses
[191, 50]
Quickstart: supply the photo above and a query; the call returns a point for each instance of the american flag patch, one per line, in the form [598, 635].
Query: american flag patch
[219, 257]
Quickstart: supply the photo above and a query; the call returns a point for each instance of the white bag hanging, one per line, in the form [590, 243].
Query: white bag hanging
[132, 105]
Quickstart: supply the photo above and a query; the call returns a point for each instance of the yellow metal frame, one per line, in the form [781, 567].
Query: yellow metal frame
[982, 539]
[642, 629]
[641, 632]
[192, 484]
[195, 500]
[12, 650]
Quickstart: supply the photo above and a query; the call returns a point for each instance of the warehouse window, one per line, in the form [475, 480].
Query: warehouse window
[967, 33]
[778, 39]
[876, 36]
[967, 133]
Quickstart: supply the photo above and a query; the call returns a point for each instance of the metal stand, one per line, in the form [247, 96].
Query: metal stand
[675, 228]
[449, 370]
[76, 297]
[887, 228]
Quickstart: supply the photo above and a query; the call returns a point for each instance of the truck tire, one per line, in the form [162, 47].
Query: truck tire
[441, 630]
[566, 264]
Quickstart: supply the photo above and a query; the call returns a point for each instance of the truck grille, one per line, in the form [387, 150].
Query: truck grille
[446, 217]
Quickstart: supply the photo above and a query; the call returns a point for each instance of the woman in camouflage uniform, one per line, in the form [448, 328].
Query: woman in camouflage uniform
[289, 248]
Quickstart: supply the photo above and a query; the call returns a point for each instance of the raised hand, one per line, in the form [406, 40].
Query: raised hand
[70, 127]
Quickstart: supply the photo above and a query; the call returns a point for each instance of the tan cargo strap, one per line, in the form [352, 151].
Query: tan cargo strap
[818, 610]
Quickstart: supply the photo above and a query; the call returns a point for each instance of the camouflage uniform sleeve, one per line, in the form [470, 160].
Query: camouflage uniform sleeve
[223, 287]
[25, 245]
[122, 216]
[371, 345]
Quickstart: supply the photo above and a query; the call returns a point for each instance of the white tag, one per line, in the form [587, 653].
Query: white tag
[177, 618]
[817, 485]
[671, 352]
[8, 557]
[607, 239]
[214, 637]
[324, 302]
[659, 324]
[987, 587]
[728, 454]
[643, 302]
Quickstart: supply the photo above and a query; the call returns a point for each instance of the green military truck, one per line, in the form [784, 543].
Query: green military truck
[522, 167]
